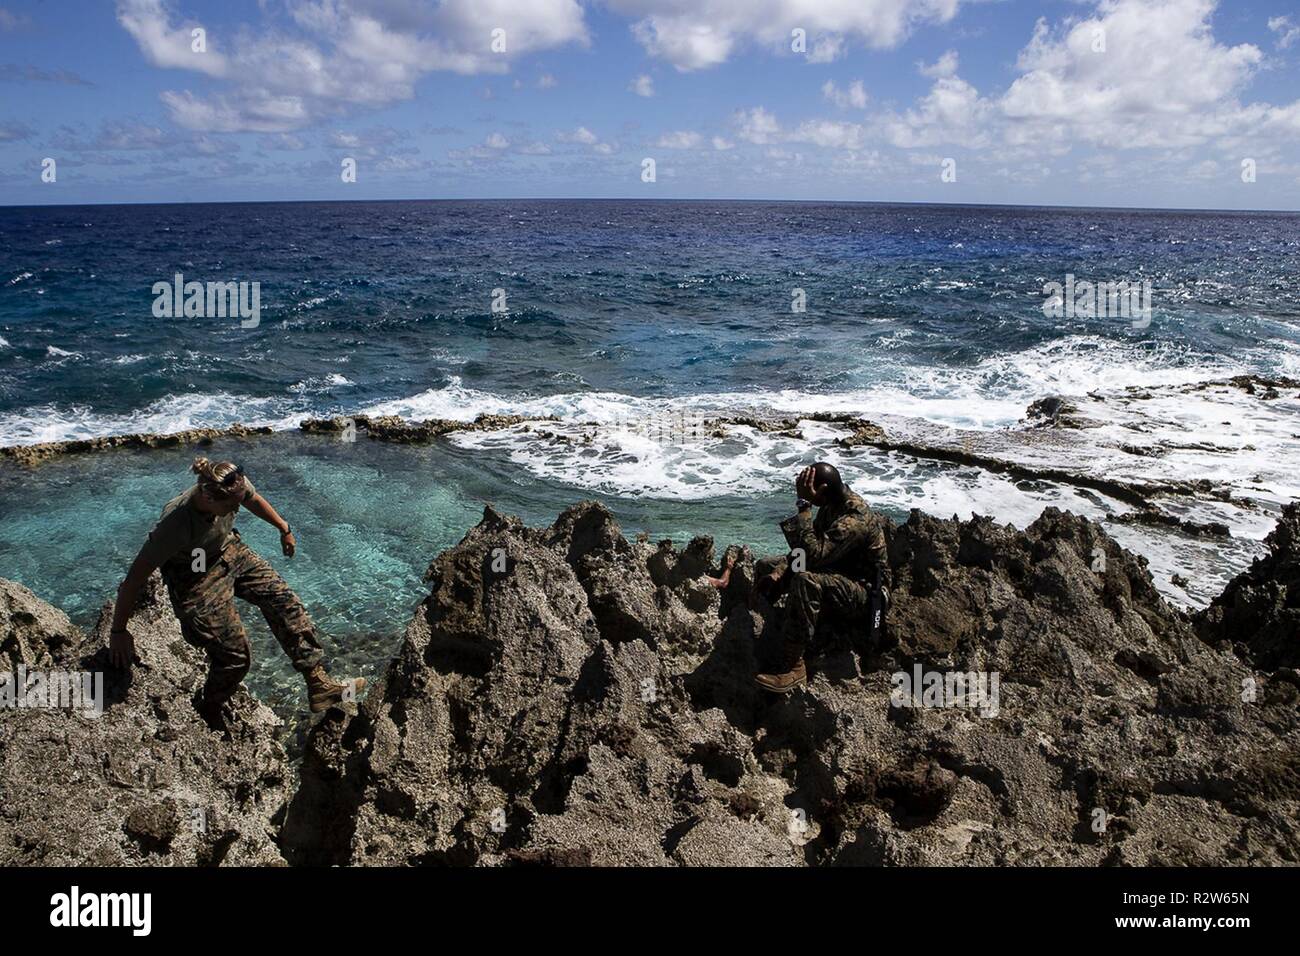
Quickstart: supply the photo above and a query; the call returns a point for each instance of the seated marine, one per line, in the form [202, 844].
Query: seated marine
[830, 570]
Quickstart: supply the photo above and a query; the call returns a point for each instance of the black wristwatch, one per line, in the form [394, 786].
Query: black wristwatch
[287, 530]
[803, 504]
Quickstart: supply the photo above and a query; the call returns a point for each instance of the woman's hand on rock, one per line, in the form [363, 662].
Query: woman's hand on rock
[121, 648]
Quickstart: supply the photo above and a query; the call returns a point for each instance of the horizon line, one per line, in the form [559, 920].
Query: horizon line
[657, 199]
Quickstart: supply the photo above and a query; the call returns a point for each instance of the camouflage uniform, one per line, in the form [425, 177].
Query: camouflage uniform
[205, 604]
[206, 566]
[842, 548]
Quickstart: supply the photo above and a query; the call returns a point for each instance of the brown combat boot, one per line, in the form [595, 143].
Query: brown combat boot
[324, 692]
[792, 672]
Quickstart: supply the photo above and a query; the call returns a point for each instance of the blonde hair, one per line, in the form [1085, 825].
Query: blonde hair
[215, 473]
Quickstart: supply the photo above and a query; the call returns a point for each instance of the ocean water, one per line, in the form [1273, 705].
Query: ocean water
[632, 322]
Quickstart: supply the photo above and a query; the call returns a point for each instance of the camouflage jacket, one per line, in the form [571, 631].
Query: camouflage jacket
[845, 538]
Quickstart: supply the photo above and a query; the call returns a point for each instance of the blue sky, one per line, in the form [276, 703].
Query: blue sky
[1118, 102]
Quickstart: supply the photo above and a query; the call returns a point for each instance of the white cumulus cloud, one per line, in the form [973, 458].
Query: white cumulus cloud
[695, 34]
[855, 95]
[680, 139]
[330, 57]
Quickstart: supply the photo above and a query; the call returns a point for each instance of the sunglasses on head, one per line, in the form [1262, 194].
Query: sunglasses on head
[225, 487]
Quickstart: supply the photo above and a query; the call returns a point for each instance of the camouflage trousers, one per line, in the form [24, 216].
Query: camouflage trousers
[816, 596]
[205, 604]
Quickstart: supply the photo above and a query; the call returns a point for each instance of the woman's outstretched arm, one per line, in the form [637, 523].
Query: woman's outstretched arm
[262, 508]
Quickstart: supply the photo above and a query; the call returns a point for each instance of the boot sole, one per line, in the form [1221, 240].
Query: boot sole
[782, 690]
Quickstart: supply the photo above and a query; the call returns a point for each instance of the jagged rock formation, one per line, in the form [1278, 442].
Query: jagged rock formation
[32, 633]
[1259, 610]
[145, 783]
[566, 696]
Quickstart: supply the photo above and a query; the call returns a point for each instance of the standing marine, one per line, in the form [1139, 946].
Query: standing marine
[830, 570]
[206, 565]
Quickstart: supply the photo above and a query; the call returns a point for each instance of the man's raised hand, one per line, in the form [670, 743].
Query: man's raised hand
[801, 483]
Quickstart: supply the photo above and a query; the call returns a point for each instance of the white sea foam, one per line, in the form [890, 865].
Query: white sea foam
[995, 392]
[1287, 356]
[988, 396]
[320, 384]
[49, 423]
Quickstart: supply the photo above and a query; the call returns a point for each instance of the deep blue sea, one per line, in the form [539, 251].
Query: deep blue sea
[620, 316]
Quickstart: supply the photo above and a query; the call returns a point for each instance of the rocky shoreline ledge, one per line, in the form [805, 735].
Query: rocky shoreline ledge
[566, 696]
[1053, 412]
[381, 428]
